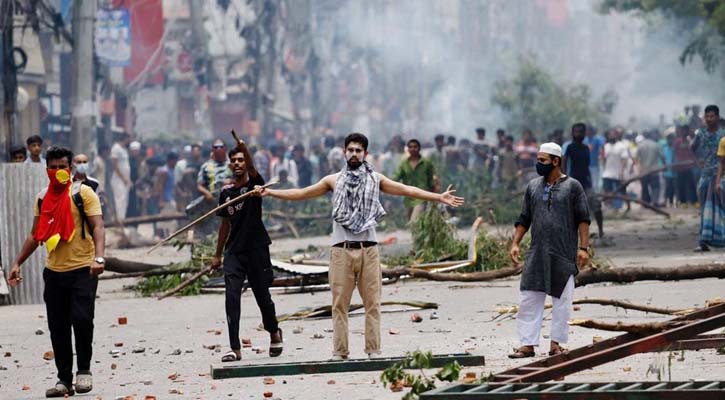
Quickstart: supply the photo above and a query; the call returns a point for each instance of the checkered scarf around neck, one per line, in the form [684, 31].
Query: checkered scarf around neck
[356, 202]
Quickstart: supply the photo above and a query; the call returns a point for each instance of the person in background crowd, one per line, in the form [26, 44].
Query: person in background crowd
[596, 155]
[282, 162]
[180, 167]
[576, 159]
[616, 157]
[214, 172]
[501, 138]
[649, 158]
[419, 172]
[438, 156]
[705, 147]
[135, 162]
[508, 164]
[394, 154]
[81, 174]
[18, 154]
[668, 153]
[263, 160]
[99, 170]
[35, 148]
[120, 175]
[304, 166]
[336, 154]
[164, 185]
[527, 149]
[684, 171]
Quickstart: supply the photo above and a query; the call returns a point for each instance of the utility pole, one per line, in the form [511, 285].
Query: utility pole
[201, 68]
[83, 122]
[10, 133]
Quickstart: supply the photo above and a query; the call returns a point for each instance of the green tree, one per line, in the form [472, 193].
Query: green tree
[701, 22]
[532, 98]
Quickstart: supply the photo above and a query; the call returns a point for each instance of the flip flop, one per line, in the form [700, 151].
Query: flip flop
[275, 348]
[518, 353]
[231, 356]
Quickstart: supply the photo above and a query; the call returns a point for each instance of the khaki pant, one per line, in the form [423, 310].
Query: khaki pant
[348, 268]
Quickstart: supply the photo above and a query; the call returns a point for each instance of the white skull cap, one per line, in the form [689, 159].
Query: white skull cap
[550, 148]
[134, 145]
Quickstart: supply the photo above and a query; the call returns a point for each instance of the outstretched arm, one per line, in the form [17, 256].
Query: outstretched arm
[389, 186]
[323, 186]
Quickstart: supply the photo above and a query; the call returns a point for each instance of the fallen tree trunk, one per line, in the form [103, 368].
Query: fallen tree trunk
[149, 273]
[610, 196]
[114, 264]
[456, 277]
[646, 328]
[635, 274]
[147, 219]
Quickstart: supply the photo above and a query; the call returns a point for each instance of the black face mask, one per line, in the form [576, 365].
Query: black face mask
[544, 169]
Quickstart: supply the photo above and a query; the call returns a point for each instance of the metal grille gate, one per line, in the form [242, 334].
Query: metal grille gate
[582, 391]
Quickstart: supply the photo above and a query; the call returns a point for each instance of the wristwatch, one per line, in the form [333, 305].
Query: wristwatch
[99, 260]
[585, 248]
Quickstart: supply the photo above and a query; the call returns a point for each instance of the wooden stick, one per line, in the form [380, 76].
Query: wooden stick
[647, 328]
[207, 215]
[186, 283]
[630, 306]
[609, 196]
[624, 184]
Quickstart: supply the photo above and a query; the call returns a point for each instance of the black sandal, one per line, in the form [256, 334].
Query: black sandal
[61, 389]
[275, 348]
[519, 353]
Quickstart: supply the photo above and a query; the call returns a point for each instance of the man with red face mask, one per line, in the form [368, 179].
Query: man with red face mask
[75, 259]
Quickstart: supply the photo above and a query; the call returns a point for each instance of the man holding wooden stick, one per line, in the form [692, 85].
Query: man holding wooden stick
[354, 257]
[245, 243]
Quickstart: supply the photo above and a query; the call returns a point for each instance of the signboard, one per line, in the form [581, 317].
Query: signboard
[113, 37]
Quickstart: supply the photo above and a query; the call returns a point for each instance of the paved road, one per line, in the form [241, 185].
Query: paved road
[466, 310]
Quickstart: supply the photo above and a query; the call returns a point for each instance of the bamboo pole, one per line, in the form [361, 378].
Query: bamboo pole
[207, 215]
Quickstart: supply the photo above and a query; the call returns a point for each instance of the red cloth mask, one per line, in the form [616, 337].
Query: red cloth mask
[56, 219]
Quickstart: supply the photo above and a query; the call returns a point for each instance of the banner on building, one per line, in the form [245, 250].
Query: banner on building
[113, 37]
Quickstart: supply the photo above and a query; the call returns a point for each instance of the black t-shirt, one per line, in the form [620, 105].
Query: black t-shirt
[247, 230]
[577, 158]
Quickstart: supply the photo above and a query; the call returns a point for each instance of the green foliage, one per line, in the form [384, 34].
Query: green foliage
[396, 376]
[493, 252]
[532, 98]
[434, 238]
[201, 254]
[156, 284]
[702, 22]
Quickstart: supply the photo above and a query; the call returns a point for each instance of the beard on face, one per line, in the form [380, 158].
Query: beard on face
[353, 163]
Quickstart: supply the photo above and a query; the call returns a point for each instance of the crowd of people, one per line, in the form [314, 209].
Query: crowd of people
[674, 164]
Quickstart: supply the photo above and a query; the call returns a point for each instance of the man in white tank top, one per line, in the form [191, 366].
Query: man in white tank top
[354, 257]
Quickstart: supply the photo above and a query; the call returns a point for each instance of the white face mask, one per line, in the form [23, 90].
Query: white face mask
[81, 168]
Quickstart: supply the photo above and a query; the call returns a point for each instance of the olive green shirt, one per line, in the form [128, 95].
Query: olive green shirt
[421, 177]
